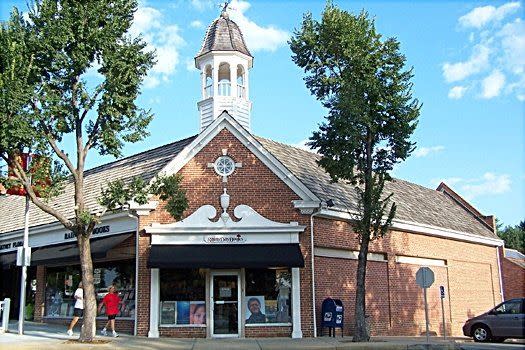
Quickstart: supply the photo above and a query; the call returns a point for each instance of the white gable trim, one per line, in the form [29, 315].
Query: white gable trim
[225, 121]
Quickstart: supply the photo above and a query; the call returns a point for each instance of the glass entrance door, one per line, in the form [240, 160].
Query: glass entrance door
[225, 304]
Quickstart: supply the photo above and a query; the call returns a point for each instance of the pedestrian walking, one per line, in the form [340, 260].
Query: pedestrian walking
[111, 301]
[79, 308]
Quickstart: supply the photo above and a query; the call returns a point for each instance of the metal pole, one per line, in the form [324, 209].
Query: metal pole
[23, 280]
[426, 311]
[444, 326]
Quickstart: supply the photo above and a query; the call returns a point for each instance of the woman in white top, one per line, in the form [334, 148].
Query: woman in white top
[79, 308]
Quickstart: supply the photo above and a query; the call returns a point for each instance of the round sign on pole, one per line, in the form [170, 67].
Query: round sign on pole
[424, 277]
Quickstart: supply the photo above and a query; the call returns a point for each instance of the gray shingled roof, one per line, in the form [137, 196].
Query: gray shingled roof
[414, 203]
[223, 34]
[146, 164]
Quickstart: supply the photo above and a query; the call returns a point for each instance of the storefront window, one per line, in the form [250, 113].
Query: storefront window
[182, 297]
[268, 295]
[62, 282]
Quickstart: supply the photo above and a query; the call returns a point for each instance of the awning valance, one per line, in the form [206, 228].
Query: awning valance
[225, 256]
[69, 252]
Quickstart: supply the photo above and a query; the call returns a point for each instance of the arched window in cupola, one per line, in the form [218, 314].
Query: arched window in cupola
[224, 87]
[241, 89]
[208, 82]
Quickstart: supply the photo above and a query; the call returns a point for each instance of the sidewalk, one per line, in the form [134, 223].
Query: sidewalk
[40, 336]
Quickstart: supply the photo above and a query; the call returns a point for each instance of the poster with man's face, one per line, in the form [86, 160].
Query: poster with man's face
[255, 309]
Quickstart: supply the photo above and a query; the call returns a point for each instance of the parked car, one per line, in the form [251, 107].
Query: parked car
[507, 320]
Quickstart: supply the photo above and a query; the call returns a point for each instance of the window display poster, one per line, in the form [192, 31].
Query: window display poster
[255, 309]
[183, 312]
[197, 312]
[167, 312]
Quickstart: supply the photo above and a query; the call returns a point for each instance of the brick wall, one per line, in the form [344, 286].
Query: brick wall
[513, 278]
[40, 293]
[268, 332]
[254, 185]
[394, 301]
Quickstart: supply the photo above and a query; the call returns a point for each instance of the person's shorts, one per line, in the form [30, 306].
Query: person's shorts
[111, 317]
[78, 312]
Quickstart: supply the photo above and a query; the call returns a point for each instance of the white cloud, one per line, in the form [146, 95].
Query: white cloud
[425, 151]
[196, 24]
[190, 65]
[513, 45]
[202, 5]
[496, 66]
[302, 145]
[480, 16]
[457, 92]
[163, 37]
[493, 84]
[257, 37]
[488, 185]
[478, 60]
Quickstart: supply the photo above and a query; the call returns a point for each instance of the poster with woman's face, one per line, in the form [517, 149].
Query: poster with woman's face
[197, 312]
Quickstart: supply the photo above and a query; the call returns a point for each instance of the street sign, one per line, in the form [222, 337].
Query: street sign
[424, 277]
[442, 292]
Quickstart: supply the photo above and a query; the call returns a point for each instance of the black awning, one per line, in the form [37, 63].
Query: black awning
[69, 253]
[8, 260]
[225, 256]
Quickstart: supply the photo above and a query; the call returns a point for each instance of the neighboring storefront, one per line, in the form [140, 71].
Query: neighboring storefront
[54, 273]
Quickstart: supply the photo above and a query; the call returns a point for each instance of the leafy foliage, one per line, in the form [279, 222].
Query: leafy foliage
[70, 76]
[361, 79]
[167, 188]
[514, 236]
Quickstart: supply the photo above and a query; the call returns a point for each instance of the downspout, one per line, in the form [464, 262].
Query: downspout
[136, 271]
[499, 268]
[314, 312]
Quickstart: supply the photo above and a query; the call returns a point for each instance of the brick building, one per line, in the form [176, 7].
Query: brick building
[265, 239]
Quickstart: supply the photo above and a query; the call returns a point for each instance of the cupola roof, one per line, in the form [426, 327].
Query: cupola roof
[223, 34]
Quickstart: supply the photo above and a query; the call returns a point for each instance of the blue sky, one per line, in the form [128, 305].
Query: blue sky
[469, 65]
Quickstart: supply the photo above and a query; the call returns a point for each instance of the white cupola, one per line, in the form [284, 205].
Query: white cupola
[224, 62]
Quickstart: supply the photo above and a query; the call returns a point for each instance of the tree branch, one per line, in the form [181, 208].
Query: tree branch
[92, 101]
[21, 175]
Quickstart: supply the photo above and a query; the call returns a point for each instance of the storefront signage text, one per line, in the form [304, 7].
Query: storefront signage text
[225, 239]
[96, 231]
[5, 246]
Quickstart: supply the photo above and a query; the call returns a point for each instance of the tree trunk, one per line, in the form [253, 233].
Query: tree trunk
[361, 331]
[87, 334]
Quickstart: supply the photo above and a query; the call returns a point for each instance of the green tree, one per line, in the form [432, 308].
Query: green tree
[514, 236]
[362, 81]
[48, 100]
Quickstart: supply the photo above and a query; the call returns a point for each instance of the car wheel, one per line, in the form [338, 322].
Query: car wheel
[481, 333]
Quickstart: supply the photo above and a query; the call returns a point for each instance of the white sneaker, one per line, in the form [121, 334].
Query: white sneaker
[70, 332]
[115, 334]
[103, 331]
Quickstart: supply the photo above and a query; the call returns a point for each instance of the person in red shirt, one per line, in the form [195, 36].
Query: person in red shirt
[111, 301]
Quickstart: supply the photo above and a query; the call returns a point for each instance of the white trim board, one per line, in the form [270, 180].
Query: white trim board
[225, 121]
[414, 227]
[347, 254]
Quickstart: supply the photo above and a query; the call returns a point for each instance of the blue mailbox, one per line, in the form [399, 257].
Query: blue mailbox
[332, 315]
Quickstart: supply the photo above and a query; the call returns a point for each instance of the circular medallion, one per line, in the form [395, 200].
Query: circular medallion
[224, 166]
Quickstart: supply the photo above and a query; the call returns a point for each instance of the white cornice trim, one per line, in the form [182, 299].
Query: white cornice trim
[306, 207]
[414, 227]
[143, 209]
[225, 121]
